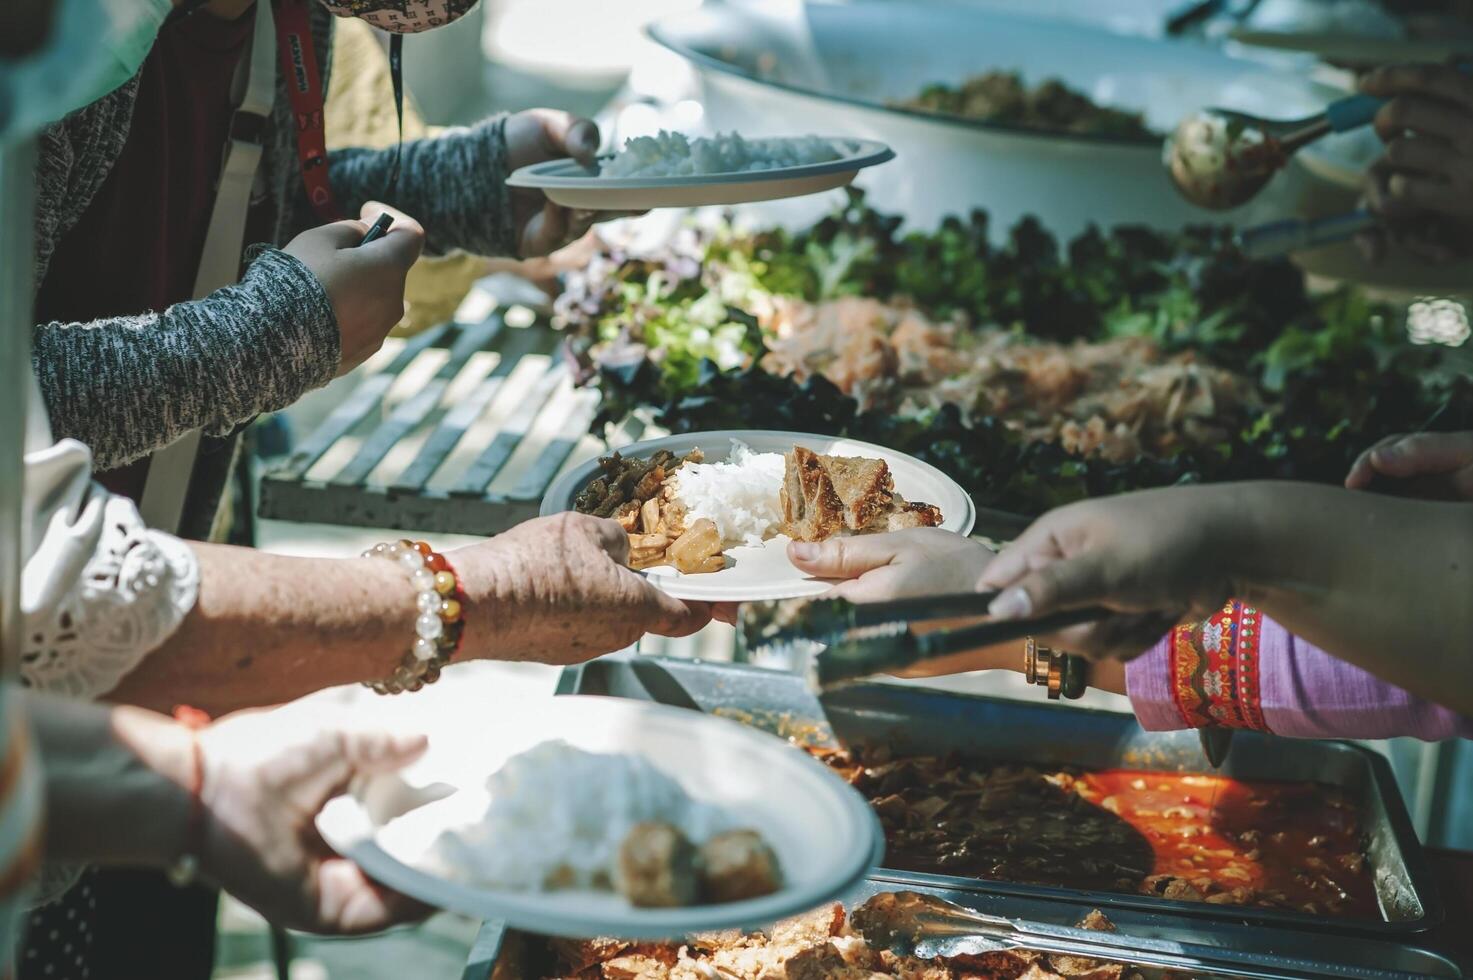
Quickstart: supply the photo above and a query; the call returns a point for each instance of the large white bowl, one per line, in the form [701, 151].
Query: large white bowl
[870, 52]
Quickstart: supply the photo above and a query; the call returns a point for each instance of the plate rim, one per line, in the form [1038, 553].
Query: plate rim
[635, 923]
[568, 484]
[867, 153]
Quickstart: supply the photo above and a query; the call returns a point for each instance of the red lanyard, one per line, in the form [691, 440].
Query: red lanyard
[304, 86]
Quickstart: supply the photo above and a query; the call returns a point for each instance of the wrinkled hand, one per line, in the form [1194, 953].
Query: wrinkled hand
[265, 782]
[558, 590]
[1155, 557]
[1422, 187]
[365, 285]
[536, 136]
[1438, 465]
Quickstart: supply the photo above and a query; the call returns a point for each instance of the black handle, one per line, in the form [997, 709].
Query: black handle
[379, 230]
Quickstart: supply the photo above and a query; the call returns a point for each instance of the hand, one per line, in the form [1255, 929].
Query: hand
[365, 285]
[1437, 465]
[922, 561]
[558, 590]
[265, 782]
[536, 136]
[1422, 187]
[1156, 557]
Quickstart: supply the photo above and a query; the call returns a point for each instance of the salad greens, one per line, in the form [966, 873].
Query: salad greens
[1336, 371]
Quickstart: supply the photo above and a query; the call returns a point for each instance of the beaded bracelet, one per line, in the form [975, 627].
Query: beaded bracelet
[439, 625]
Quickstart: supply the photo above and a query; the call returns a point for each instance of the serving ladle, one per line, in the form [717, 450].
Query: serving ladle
[1220, 158]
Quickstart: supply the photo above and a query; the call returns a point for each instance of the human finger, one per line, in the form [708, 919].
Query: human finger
[1423, 453]
[1437, 81]
[1363, 471]
[670, 616]
[1427, 155]
[1052, 585]
[401, 244]
[1423, 116]
[337, 756]
[843, 558]
[1428, 194]
[607, 535]
[351, 903]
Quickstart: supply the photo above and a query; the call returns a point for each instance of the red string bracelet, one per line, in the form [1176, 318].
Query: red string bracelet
[186, 867]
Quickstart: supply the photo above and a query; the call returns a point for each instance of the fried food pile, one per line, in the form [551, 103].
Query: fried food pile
[637, 494]
[827, 495]
[1003, 97]
[822, 945]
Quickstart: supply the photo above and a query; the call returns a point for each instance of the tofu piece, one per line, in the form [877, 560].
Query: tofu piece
[736, 865]
[657, 867]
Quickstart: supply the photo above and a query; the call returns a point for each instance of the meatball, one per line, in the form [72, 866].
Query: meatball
[736, 865]
[657, 867]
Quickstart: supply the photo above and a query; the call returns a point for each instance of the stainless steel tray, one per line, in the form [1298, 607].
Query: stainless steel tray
[1246, 951]
[920, 720]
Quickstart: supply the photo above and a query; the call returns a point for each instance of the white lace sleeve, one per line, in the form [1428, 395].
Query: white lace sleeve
[100, 589]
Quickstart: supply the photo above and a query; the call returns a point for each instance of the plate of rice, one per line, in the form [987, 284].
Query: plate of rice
[710, 514]
[671, 170]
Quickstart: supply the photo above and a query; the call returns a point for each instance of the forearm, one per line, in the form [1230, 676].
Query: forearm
[1382, 582]
[454, 184]
[116, 782]
[128, 386]
[269, 628]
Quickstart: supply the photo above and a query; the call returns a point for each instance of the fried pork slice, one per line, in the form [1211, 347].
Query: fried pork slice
[865, 488]
[825, 962]
[905, 514]
[811, 507]
[736, 865]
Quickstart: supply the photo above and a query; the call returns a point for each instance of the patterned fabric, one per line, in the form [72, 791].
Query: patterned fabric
[1214, 669]
[129, 385]
[402, 16]
[1302, 691]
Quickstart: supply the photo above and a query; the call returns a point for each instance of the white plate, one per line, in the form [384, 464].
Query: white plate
[825, 835]
[569, 184]
[764, 573]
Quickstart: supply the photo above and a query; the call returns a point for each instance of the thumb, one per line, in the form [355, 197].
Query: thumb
[342, 755]
[1424, 453]
[404, 240]
[676, 617]
[1060, 584]
[843, 557]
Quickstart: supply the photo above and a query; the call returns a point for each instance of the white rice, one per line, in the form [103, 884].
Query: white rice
[740, 496]
[558, 814]
[673, 155]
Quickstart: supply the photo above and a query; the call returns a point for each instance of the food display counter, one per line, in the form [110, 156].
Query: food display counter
[1033, 744]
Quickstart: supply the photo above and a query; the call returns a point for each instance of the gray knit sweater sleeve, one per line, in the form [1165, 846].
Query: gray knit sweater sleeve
[454, 184]
[127, 386]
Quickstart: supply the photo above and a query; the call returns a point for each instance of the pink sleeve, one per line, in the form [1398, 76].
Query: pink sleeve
[1301, 691]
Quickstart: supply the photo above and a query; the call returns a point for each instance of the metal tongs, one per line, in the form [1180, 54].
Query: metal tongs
[834, 641]
[918, 924]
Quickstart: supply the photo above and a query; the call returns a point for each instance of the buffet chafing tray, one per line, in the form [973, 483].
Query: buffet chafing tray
[1245, 950]
[920, 720]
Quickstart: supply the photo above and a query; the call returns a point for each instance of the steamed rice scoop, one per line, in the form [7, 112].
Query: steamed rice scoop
[739, 496]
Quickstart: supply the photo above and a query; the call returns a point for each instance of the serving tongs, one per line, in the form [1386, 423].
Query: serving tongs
[916, 924]
[834, 641]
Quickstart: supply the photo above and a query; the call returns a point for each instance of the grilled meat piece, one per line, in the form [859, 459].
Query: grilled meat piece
[905, 514]
[657, 867]
[865, 488]
[736, 865]
[812, 510]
